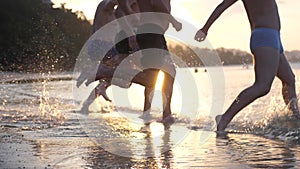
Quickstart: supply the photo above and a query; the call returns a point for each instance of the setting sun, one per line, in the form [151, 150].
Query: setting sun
[159, 81]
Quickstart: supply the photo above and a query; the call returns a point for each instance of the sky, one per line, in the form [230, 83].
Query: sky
[231, 30]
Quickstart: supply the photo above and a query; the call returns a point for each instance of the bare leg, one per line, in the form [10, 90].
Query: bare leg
[148, 98]
[167, 91]
[266, 65]
[102, 72]
[88, 102]
[100, 90]
[140, 78]
[148, 79]
[81, 78]
[287, 77]
[85, 75]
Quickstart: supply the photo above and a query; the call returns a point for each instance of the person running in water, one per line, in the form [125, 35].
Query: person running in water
[156, 61]
[267, 49]
[106, 13]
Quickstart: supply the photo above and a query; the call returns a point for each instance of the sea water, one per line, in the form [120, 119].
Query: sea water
[42, 125]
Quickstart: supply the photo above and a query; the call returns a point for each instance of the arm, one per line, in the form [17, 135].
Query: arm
[102, 12]
[97, 22]
[201, 34]
[176, 24]
[164, 6]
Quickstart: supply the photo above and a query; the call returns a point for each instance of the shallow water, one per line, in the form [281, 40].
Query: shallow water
[41, 125]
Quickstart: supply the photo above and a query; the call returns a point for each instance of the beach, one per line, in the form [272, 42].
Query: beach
[42, 127]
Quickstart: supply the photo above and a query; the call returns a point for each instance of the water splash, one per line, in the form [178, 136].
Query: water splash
[30, 106]
[277, 124]
[49, 109]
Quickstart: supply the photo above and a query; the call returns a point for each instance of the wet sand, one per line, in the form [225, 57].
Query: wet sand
[68, 146]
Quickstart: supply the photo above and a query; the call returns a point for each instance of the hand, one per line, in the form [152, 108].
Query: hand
[200, 35]
[177, 26]
[133, 43]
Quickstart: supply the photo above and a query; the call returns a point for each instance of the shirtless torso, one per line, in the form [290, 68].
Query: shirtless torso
[262, 14]
[152, 6]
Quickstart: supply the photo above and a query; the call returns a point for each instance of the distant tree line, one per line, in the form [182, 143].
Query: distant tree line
[34, 37]
[195, 57]
[225, 56]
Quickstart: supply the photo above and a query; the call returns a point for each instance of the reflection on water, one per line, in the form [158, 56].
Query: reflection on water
[246, 150]
[40, 128]
[238, 151]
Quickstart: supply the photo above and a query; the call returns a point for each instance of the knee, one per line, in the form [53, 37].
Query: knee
[287, 77]
[262, 89]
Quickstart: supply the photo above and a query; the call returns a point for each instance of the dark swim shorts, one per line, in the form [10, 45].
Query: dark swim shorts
[151, 36]
[265, 37]
[123, 43]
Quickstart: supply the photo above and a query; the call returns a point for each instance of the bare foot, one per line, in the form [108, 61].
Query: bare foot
[294, 108]
[146, 116]
[221, 133]
[100, 90]
[89, 81]
[168, 120]
[84, 109]
[220, 127]
[79, 81]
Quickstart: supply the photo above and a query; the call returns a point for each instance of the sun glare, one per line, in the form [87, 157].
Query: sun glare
[159, 81]
[157, 129]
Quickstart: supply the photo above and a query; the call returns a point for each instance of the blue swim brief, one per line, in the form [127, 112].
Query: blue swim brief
[265, 37]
